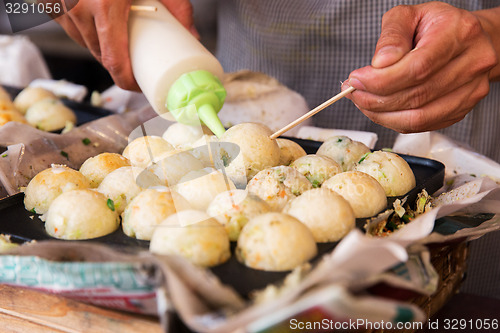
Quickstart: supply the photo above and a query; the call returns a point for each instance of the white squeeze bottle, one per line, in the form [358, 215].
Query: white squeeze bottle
[174, 70]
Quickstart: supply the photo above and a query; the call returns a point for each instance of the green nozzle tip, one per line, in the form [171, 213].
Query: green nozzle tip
[209, 117]
[196, 96]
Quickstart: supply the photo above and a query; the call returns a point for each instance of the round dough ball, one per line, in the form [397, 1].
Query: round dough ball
[233, 209]
[148, 209]
[183, 136]
[11, 115]
[316, 168]
[121, 186]
[29, 96]
[364, 193]
[49, 184]
[81, 214]
[146, 149]
[200, 187]
[289, 151]
[50, 115]
[97, 167]
[275, 242]
[277, 185]
[343, 150]
[327, 214]
[219, 154]
[200, 149]
[390, 170]
[173, 165]
[257, 150]
[5, 100]
[4, 95]
[6, 105]
[193, 235]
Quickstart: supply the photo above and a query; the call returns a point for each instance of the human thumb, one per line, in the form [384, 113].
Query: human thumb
[396, 36]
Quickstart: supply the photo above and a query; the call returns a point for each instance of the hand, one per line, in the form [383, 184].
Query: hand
[429, 70]
[101, 26]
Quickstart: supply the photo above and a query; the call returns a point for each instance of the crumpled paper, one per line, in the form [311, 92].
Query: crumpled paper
[20, 61]
[458, 158]
[479, 196]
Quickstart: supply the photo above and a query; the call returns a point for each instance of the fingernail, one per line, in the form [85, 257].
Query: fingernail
[353, 82]
[386, 56]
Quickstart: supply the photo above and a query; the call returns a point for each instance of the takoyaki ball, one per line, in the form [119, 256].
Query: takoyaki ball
[81, 214]
[257, 150]
[277, 185]
[5, 100]
[4, 95]
[327, 214]
[29, 96]
[289, 151]
[343, 150]
[148, 209]
[173, 165]
[11, 115]
[50, 115]
[183, 136]
[144, 150]
[200, 149]
[200, 187]
[275, 242]
[49, 184]
[233, 209]
[121, 186]
[364, 193]
[316, 168]
[193, 235]
[390, 170]
[97, 167]
[217, 154]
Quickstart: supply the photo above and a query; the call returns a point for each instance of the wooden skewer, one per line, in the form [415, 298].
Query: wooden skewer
[143, 8]
[313, 112]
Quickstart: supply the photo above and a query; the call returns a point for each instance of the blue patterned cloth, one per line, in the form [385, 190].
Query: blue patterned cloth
[310, 46]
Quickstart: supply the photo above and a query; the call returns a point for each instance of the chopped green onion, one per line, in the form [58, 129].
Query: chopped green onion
[65, 154]
[363, 157]
[86, 141]
[391, 225]
[111, 204]
[225, 159]
[33, 210]
[406, 218]
[5, 155]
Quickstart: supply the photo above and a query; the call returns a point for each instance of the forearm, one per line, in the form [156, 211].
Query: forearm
[490, 21]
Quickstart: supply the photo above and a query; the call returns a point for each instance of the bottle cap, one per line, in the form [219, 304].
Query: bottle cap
[196, 96]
